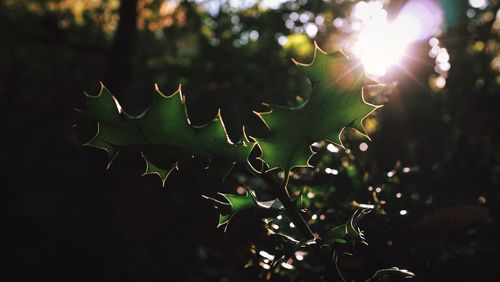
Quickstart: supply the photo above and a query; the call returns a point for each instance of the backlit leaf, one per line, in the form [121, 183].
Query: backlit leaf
[336, 102]
[161, 132]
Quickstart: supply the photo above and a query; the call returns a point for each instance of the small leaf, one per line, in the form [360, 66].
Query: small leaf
[234, 204]
[237, 203]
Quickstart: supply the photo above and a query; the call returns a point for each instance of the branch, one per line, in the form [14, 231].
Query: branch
[293, 212]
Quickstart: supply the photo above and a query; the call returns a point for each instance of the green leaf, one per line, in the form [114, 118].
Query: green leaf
[391, 274]
[234, 204]
[162, 128]
[237, 203]
[336, 101]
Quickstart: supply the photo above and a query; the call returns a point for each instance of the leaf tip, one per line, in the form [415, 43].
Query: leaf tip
[111, 159]
[297, 63]
[158, 91]
[344, 53]
[317, 48]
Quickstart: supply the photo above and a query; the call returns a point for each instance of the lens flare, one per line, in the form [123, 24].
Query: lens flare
[382, 44]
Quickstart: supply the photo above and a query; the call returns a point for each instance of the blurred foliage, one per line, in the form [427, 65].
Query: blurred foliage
[430, 175]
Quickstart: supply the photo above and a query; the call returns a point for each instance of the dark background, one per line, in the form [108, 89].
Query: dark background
[68, 218]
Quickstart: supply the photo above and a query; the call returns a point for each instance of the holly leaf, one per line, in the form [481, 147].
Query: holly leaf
[336, 102]
[162, 133]
[237, 203]
[234, 204]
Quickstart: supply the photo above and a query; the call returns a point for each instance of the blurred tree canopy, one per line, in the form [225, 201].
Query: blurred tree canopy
[433, 165]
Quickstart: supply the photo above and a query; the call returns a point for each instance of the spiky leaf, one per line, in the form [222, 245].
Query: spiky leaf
[161, 129]
[234, 204]
[237, 203]
[336, 102]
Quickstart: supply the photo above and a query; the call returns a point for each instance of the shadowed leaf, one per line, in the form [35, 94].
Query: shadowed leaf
[161, 129]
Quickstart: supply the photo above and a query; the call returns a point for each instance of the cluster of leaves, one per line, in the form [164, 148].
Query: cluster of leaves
[335, 103]
[164, 136]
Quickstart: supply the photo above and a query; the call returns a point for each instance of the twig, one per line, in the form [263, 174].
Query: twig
[297, 219]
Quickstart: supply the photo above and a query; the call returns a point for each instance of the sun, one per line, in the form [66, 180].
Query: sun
[381, 44]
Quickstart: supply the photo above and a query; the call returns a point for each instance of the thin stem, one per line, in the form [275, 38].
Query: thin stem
[293, 211]
[297, 219]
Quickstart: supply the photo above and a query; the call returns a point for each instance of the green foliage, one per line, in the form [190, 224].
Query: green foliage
[52, 49]
[237, 203]
[159, 129]
[335, 102]
[164, 135]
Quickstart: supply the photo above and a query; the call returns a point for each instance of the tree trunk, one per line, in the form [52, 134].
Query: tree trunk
[122, 49]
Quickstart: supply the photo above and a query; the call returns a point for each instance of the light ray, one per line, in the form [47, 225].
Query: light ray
[382, 44]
